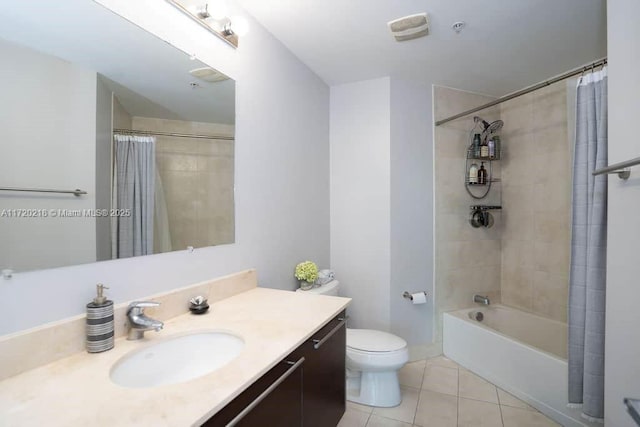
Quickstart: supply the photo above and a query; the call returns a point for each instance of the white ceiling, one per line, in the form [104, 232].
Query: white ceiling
[506, 45]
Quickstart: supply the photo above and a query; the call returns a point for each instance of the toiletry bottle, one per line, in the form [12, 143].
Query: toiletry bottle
[476, 145]
[473, 174]
[100, 329]
[484, 149]
[496, 143]
[482, 174]
[492, 148]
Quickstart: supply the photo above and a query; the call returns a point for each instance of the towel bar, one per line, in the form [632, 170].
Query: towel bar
[616, 168]
[77, 192]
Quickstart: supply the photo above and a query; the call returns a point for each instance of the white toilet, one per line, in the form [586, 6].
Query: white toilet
[373, 361]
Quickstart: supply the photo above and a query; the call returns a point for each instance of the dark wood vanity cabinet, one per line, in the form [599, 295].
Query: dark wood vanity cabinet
[273, 400]
[323, 399]
[305, 389]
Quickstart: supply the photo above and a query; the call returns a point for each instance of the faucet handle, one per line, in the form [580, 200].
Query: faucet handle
[138, 306]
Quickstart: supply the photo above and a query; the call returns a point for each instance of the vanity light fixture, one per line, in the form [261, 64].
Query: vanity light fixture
[212, 15]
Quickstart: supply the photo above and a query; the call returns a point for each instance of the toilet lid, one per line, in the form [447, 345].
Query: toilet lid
[370, 340]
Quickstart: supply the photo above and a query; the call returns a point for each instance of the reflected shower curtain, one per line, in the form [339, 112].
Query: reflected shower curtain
[133, 190]
[587, 280]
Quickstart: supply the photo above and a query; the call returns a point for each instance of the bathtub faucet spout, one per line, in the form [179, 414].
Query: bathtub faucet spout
[481, 300]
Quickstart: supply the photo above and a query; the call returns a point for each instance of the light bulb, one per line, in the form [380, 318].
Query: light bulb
[239, 25]
[218, 9]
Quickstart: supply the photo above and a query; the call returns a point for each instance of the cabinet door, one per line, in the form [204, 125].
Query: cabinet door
[273, 400]
[324, 375]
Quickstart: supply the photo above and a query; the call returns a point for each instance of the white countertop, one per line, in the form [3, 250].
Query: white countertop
[77, 391]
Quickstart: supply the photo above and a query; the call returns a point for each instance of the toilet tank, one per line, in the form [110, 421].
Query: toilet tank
[330, 289]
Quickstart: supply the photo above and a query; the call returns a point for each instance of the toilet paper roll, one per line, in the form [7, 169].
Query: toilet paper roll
[419, 298]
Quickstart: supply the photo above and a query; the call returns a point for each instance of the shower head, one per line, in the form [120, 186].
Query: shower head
[489, 127]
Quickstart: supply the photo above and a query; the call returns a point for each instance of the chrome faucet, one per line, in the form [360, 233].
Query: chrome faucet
[138, 322]
[481, 300]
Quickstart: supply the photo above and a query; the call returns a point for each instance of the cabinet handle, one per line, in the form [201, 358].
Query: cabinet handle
[266, 393]
[318, 343]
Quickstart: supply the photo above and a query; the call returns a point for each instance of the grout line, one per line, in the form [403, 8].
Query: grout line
[479, 400]
[368, 418]
[415, 413]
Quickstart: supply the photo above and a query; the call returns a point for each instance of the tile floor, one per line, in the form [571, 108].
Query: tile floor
[439, 393]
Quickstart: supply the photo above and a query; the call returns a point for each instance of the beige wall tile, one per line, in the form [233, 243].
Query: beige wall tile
[517, 115]
[551, 257]
[517, 253]
[517, 286]
[550, 293]
[536, 202]
[552, 228]
[532, 232]
[455, 142]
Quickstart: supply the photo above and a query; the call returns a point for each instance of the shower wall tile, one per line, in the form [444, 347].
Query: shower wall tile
[197, 176]
[517, 253]
[518, 224]
[549, 292]
[457, 142]
[536, 201]
[517, 286]
[517, 113]
[468, 260]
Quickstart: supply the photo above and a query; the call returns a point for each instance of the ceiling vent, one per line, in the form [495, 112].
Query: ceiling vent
[410, 27]
[208, 74]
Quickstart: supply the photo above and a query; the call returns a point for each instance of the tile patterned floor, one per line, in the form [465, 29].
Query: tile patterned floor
[439, 393]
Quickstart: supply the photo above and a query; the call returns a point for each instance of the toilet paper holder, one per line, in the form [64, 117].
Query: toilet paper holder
[408, 296]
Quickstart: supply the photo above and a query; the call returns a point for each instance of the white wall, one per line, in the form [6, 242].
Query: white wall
[411, 209]
[281, 180]
[622, 342]
[40, 94]
[360, 198]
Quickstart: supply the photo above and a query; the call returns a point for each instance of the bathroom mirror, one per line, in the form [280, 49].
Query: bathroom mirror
[92, 102]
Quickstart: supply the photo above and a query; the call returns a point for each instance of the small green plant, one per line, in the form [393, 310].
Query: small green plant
[307, 271]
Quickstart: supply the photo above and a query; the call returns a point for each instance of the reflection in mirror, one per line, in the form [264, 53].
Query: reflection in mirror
[102, 106]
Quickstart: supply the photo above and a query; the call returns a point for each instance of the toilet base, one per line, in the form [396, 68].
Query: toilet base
[380, 389]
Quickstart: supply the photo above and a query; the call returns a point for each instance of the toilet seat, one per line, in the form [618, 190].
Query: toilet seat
[373, 361]
[377, 351]
[371, 341]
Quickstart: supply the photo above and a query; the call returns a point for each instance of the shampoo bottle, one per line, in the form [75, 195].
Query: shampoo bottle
[473, 174]
[100, 329]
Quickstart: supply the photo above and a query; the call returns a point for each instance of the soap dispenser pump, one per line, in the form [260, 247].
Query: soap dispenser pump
[100, 325]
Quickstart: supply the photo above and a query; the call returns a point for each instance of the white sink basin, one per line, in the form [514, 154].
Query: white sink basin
[176, 359]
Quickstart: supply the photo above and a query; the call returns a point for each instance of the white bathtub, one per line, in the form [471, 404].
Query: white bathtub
[519, 352]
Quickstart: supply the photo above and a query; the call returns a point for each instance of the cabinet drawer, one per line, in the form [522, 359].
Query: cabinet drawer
[324, 375]
[275, 399]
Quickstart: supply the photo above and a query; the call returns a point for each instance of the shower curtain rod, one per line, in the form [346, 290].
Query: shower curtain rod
[574, 72]
[175, 135]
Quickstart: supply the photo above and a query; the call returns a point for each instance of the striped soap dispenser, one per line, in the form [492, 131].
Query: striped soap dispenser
[100, 328]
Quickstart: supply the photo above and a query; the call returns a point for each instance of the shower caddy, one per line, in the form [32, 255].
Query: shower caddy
[479, 214]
